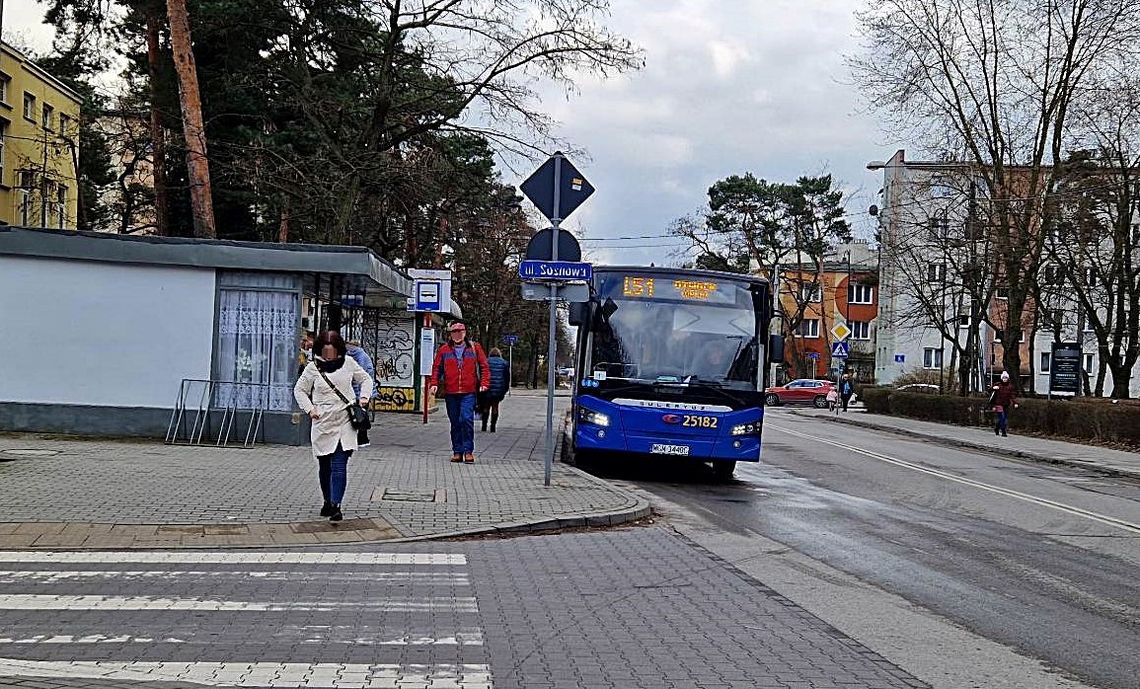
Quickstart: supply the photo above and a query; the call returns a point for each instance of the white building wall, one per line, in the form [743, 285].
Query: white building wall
[102, 334]
[907, 198]
[911, 197]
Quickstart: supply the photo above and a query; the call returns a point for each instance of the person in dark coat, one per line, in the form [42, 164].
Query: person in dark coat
[1002, 398]
[500, 383]
[846, 389]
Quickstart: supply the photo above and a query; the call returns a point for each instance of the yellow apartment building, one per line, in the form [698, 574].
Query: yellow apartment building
[39, 145]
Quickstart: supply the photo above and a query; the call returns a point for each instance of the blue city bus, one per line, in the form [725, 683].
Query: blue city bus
[673, 362]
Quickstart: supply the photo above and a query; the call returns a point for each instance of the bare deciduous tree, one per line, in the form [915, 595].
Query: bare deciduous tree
[992, 83]
[1094, 266]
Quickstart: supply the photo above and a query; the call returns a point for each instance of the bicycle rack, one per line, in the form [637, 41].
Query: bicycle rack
[198, 432]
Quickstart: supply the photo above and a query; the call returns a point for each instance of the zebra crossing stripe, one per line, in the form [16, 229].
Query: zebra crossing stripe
[232, 558]
[48, 576]
[306, 635]
[171, 604]
[242, 674]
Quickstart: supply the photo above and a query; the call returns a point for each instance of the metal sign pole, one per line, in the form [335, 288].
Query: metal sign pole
[552, 335]
[431, 356]
[544, 189]
[510, 367]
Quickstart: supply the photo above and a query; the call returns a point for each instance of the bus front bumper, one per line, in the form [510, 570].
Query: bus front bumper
[642, 432]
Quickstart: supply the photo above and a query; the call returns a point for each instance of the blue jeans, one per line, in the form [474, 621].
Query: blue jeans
[333, 474]
[1002, 420]
[461, 412]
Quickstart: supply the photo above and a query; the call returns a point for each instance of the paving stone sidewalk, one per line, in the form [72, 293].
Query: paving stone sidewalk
[1100, 459]
[114, 494]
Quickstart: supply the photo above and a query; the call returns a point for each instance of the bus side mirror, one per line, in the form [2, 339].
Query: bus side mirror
[775, 349]
[579, 313]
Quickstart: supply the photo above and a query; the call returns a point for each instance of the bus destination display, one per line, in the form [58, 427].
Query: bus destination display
[634, 287]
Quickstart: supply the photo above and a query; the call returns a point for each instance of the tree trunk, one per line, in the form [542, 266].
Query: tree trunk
[1031, 336]
[157, 134]
[1011, 343]
[283, 228]
[1121, 377]
[197, 162]
[1102, 370]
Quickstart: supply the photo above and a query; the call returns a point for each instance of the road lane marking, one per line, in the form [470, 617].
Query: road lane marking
[48, 576]
[1043, 502]
[173, 604]
[241, 674]
[232, 558]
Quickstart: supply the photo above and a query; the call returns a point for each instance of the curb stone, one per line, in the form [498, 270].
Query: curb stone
[635, 509]
[982, 447]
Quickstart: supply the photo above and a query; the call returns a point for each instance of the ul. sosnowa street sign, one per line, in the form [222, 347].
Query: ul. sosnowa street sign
[555, 271]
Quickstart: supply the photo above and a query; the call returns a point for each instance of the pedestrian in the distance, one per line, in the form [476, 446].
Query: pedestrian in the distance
[1002, 398]
[832, 399]
[324, 392]
[500, 382]
[361, 357]
[462, 370]
[305, 354]
[846, 389]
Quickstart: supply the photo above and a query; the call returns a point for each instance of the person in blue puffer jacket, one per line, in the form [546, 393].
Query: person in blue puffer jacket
[500, 383]
[365, 362]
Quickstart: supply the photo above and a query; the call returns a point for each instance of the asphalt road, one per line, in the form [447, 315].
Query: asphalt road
[1008, 562]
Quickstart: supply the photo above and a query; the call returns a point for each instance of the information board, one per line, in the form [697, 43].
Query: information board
[1065, 368]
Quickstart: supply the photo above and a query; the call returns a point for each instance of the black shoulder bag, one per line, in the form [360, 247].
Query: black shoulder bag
[357, 416]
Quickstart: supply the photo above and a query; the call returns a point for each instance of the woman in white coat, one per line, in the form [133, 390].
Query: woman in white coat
[334, 438]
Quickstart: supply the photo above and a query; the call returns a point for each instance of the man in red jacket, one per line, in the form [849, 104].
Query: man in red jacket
[461, 366]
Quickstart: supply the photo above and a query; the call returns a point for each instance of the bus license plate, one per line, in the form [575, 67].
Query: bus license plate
[669, 449]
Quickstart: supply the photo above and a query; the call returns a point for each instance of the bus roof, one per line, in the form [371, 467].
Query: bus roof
[696, 272]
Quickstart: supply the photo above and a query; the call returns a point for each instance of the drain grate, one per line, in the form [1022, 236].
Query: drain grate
[402, 495]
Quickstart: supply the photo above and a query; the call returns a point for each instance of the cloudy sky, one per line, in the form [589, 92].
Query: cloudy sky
[729, 86]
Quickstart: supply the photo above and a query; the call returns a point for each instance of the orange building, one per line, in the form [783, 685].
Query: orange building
[813, 303]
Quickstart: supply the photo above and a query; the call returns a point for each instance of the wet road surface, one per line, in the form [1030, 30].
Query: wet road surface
[1039, 558]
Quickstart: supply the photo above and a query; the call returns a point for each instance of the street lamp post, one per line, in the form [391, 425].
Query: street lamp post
[850, 294]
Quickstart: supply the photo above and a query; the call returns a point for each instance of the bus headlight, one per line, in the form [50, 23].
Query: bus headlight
[746, 428]
[595, 417]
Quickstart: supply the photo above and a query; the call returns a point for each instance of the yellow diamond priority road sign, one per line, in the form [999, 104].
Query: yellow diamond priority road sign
[841, 331]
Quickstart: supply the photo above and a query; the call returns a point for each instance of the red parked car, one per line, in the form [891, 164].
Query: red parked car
[801, 391]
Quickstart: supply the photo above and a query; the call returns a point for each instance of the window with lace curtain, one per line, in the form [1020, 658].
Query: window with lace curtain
[257, 341]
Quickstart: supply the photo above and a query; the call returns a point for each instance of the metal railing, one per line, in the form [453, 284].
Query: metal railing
[198, 398]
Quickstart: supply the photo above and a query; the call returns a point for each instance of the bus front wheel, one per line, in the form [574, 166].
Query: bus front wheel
[724, 470]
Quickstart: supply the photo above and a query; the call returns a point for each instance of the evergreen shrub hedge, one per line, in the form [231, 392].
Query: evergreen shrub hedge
[1084, 418]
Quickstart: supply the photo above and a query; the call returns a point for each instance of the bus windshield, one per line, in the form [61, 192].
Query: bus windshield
[676, 331]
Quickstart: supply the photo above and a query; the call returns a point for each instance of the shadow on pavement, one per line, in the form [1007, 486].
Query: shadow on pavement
[650, 469]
